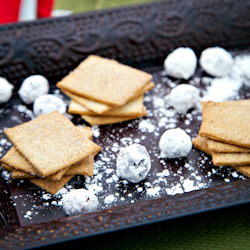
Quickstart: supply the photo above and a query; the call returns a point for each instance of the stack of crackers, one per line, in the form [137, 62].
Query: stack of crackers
[104, 91]
[49, 151]
[225, 134]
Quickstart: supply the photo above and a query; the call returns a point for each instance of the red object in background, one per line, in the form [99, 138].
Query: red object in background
[44, 8]
[9, 9]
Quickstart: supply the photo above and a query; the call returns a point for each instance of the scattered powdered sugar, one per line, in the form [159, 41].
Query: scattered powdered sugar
[146, 126]
[227, 87]
[153, 192]
[109, 199]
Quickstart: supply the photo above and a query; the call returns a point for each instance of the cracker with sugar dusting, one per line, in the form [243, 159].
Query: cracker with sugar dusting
[51, 186]
[16, 160]
[227, 122]
[103, 120]
[222, 147]
[21, 168]
[105, 81]
[132, 108]
[51, 143]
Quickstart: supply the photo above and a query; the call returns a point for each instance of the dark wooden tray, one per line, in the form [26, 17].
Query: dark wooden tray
[140, 36]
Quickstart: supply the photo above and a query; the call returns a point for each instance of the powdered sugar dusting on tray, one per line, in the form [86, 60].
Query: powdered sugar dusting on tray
[166, 177]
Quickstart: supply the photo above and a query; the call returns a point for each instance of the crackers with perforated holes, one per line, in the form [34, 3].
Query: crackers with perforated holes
[105, 81]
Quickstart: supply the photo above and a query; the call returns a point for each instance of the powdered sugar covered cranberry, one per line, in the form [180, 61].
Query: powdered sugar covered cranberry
[175, 143]
[181, 63]
[183, 97]
[5, 90]
[33, 87]
[133, 163]
[46, 104]
[216, 61]
[79, 201]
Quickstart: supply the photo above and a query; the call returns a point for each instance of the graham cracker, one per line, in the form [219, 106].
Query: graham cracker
[86, 132]
[7, 167]
[105, 81]
[85, 167]
[94, 108]
[51, 143]
[104, 120]
[230, 159]
[227, 122]
[51, 186]
[132, 108]
[201, 143]
[222, 147]
[243, 169]
[18, 174]
[16, 160]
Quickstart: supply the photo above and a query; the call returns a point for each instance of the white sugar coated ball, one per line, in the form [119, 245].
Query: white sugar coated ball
[183, 97]
[175, 143]
[181, 63]
[5, 90]
[33, 87]
[133, 163]
[216, 61]
[79, 201]
[46, 104]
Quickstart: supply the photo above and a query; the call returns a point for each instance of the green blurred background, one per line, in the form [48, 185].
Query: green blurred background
[88, 5]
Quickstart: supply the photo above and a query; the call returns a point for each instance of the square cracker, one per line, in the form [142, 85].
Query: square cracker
[51, 186]
[16, 160]
[100, 108]
[201, 143]
[51, 143]
[104, 120]
[132, 108]
[227, 122]
[85, 167]
[23, 169]
[230, 159]
[105, 80]
[222, 147]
